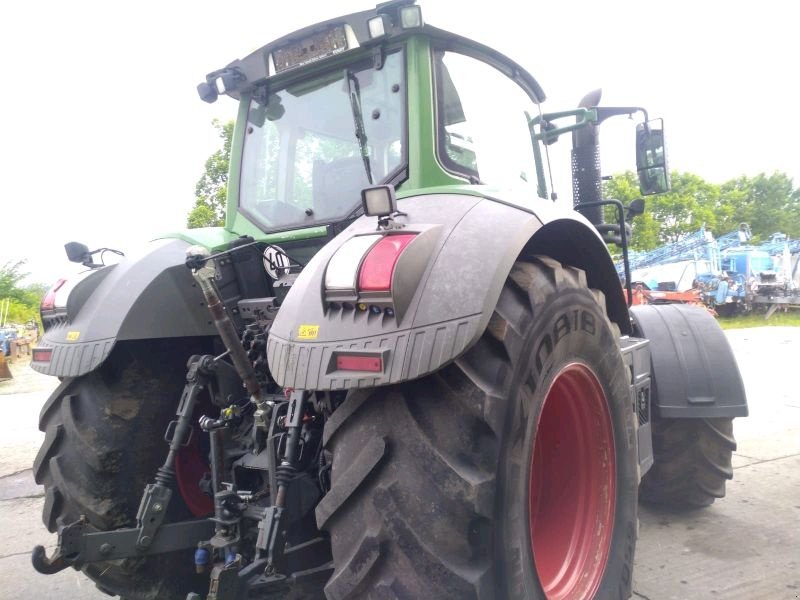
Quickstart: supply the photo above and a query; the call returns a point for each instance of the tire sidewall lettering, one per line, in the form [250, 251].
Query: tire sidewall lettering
[562, 336]
[578, 320]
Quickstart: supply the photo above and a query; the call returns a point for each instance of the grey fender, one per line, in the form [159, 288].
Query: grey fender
[150, 295]
[467, 246]
[694, 371]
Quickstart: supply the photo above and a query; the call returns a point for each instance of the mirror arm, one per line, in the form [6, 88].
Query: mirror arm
[550, 133]
[584, 116]
[605, 112]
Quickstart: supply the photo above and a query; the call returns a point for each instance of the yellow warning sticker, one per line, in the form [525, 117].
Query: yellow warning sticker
[307, 332]
[72, 336]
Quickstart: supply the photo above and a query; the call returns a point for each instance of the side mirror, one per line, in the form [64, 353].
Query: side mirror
[77, 252]
[651, 158]
[635, 208]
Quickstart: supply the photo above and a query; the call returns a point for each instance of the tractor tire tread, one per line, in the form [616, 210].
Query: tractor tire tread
[692, 461]
[88, 469]
[455, 419]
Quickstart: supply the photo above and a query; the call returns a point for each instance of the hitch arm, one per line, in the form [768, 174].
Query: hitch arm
[78, 546]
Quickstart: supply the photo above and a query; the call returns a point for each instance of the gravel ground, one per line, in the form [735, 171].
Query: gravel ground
[746, 546]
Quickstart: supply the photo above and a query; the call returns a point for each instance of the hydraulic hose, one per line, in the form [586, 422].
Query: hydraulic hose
[204, 272]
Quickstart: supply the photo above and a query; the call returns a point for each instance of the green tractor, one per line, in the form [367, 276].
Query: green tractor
[400, 371]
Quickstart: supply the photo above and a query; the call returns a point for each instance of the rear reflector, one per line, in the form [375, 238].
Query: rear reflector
[42, 354]
[378, 267]
[350, 362]
[49, 300]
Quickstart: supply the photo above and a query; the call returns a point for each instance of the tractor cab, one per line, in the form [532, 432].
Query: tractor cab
[372, 98]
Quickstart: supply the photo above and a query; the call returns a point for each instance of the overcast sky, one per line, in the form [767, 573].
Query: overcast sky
[103, 136]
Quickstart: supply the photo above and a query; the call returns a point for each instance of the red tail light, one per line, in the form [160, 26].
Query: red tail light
[378, 266]
[49, 300]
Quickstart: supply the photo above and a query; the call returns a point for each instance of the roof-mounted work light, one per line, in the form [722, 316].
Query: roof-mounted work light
[220, 82]
[377, 26]
[207, 92]
[410, 17]
[379, 201]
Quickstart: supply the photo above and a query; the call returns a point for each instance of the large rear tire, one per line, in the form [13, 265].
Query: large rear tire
[692, 462]
[510, 474]
[103, 443]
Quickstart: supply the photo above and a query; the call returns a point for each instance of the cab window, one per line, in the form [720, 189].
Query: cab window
[302, 163]
[482, 127]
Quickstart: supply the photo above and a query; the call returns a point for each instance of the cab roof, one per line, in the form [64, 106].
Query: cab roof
[242, 75]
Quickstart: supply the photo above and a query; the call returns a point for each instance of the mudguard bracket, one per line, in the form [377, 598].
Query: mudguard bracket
[636, 355]
[694, 370]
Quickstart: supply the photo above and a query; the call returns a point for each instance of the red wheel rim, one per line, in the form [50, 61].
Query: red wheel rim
[572, 486]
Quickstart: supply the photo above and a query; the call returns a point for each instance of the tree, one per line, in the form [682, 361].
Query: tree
[690, 204]
[212, 188]
[768, 203]
[25, 299]
[10, 277]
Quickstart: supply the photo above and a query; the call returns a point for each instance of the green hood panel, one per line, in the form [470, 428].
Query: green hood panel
[218, 238]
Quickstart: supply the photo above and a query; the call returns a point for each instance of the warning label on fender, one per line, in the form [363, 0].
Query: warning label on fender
[307, 332]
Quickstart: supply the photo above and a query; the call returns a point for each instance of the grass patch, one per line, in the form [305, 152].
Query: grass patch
[779, 319]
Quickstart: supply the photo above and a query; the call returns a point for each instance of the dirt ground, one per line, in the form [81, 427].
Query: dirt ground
[744, 547]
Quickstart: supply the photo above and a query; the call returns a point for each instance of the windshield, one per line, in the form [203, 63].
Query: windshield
[761, 263]
[302, 162]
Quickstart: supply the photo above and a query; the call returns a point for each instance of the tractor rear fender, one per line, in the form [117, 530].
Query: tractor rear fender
[694, 372]
[150, 295]
[445, 288]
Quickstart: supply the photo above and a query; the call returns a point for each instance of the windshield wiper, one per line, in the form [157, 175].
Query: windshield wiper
[354, 93]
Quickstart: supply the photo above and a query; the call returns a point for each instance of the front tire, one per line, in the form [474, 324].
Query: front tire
[447, 487]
